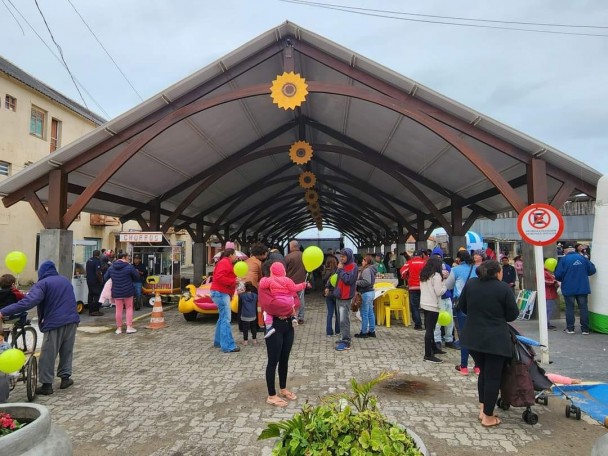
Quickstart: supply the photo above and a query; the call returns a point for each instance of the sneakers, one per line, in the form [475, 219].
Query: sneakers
[432, 359]
[118, 331]
[361, 335]
[270, 332]
[131, 330]
[453, 345]
[569, 331]
[462, 370]
[294, 323]
[343, 345]
[371, 334]
[477, 370]
[551, 327]
[46, 389]
[66, 382]
[418, 328]
[301, 321]
[585, 333]
[96, 314]
[234, 350]
[439, 352]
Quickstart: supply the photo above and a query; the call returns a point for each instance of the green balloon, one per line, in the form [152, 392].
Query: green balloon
[312, 257]
[240, 269]
[333, 280]
[444, 318]
[11, 360]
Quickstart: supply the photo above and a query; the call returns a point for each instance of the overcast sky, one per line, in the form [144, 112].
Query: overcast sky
[551, 87]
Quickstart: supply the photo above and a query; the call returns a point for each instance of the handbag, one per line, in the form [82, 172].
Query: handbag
[456, 305]
[355, 303]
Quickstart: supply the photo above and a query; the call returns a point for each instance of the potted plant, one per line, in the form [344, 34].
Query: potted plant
[344, 424]
[34, 434]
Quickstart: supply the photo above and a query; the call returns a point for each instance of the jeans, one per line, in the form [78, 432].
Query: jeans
[332, 311]
[488, 382]
[415, 308]
[461, 319]
[344, 312]
[583, 309]
[223, 333]
[368, 319]
[550, 307]
[93, 297]
[138, 286]
[430, 320]
[278, 348]
[445, 304]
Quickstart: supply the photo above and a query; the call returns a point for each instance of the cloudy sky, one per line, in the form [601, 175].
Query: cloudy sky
[550, 86]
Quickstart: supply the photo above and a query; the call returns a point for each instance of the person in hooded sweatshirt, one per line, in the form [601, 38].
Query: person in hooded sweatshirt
[344, 291]
[123, 274]
[58, 318]
[282, 289]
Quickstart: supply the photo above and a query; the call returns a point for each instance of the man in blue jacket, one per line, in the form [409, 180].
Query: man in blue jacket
[57, 319]
[573, 271]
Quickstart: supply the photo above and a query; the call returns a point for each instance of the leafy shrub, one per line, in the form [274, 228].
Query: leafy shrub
[343, 424]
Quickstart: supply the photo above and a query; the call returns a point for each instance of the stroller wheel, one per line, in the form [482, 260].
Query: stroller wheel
[545, 400]
[567, 411]
[577, 411]
[502, 404]
[532, 418]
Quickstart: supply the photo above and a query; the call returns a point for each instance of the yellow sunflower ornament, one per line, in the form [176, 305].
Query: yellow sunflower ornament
[289, 90]
[300, 152]
[307, 179]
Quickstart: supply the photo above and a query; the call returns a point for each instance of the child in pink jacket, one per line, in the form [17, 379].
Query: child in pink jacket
[282, 289]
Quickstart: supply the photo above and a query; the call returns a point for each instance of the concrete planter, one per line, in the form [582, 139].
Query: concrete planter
[417, 440]
[38, 438]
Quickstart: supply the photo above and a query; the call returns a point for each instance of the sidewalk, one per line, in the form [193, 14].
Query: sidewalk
[170, 393]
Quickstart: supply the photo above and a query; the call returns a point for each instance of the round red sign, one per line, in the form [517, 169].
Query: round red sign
[540, 224]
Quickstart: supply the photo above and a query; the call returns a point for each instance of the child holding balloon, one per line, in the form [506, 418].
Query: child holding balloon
[282, 289]
[551, 286]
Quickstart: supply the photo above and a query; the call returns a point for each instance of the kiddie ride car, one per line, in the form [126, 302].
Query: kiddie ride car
[197, 301]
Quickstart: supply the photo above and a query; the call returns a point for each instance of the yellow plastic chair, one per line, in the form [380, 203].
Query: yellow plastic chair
[397, 300]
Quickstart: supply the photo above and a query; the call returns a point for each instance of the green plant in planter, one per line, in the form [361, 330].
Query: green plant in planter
[343, 424]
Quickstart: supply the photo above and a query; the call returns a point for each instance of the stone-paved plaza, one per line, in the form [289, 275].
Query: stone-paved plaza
[169, 392]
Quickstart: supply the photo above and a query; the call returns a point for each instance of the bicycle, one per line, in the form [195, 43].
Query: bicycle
[24, 338]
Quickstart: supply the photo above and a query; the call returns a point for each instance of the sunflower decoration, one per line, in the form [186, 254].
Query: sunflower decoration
[307, 179]
[313, 207]
[289, 90]
[311, 196]
[300, 152]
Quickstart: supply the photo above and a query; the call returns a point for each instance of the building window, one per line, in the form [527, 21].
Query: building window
[37, 123]
[10, 103]
[5, 168]
[55, 134]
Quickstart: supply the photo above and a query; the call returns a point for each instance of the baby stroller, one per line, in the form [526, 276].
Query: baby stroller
[524, 382]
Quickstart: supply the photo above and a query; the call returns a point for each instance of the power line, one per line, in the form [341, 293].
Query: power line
[57, 57]
[452, 17]
[351, 10]
[105, 50]
[18, 23]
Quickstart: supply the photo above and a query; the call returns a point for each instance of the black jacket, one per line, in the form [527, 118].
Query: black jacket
[489, 305]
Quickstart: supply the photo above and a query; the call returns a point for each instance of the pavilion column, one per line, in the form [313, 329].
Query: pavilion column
[199, 256]
[457, 238]
[155, 216]
[421, 243]
[400, 240]
[57, 245]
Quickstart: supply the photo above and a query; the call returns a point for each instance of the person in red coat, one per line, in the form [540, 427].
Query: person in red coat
[223, 287]
[410, 272]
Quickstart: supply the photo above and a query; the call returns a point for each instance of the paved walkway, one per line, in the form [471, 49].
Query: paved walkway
[169, 392]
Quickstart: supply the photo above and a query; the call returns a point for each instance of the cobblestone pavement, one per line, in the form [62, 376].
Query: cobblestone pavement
[169, 392]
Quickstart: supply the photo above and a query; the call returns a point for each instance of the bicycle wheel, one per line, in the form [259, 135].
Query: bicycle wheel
[25, 339]
[31, 378]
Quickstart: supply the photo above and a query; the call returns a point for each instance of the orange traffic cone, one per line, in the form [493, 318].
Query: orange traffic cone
[157, 320]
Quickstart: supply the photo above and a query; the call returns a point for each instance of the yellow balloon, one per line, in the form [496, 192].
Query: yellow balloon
[11, 360]
[333, 280]
[444, 318]
[312, 257]
[15, 261]
[240, 269]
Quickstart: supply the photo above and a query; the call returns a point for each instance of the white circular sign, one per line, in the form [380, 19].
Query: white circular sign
[540, 224]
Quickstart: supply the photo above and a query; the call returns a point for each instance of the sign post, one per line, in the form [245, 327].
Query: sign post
[540, 224]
